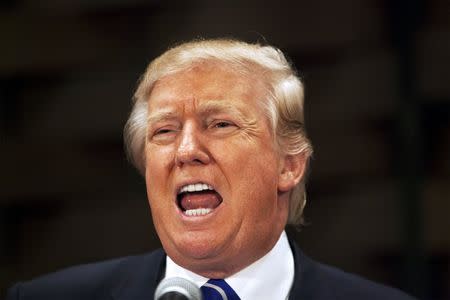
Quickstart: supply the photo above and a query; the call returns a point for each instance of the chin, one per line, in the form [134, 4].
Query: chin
[200, 248]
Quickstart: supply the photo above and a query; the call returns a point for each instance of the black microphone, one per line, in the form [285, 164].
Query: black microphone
[177, 288]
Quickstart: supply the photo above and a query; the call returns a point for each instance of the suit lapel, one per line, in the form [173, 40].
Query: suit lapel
[308, 283]
[139, 278]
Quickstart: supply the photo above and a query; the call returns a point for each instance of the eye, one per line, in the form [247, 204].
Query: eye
[163, 134]
[162, 131]
[222, 124]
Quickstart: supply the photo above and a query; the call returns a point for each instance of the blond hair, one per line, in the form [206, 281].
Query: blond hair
[284, 107]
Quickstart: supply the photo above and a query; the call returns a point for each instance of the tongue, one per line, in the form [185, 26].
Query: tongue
[196, 200]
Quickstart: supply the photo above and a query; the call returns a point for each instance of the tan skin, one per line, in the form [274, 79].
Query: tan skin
[207, 125]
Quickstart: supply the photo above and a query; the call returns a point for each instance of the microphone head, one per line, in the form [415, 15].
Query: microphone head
[177, 288]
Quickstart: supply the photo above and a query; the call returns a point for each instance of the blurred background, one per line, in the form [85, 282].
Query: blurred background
[377, 110]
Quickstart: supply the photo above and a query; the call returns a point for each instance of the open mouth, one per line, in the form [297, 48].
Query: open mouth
[198, 199]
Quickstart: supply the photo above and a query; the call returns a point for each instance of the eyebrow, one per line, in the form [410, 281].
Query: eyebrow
[216, 106]
[205, 108]
[161, 115]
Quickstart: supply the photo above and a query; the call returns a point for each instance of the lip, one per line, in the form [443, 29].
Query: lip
[195, 219]
[192, 181]
[198, 219]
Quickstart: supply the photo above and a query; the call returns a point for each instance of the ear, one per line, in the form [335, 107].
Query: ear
[292, 170]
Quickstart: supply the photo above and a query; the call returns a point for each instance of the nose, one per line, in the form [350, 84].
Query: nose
[191, 150]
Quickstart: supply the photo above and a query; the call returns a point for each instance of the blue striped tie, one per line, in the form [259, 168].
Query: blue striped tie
[218, 289]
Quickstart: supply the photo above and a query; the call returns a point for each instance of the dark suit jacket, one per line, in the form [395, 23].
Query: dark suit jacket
[136, 277]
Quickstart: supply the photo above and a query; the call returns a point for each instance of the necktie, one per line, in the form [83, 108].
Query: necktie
[218, 289]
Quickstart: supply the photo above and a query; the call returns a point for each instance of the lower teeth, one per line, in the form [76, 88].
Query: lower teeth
[198, 212]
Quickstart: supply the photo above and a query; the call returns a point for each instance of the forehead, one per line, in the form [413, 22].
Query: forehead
[208, 81]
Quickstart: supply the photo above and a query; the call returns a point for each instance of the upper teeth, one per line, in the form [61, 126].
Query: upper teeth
[197, 187]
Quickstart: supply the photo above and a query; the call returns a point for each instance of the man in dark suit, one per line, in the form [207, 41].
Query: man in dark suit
[217, 130]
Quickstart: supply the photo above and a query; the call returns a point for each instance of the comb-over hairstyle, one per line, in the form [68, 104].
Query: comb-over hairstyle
[283, 106]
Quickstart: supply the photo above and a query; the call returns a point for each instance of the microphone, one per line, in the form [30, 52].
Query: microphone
[177, 288]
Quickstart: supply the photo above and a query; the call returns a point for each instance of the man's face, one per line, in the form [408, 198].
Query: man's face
[212, 170]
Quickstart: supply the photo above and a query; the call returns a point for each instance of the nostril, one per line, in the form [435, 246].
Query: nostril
[195, 156]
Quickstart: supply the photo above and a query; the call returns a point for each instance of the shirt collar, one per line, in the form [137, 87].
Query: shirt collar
[270, 277]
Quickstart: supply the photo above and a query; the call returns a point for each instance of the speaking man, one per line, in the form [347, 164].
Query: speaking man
[217, 130]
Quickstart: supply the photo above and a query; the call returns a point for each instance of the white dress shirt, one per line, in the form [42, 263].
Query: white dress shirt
[270, 277]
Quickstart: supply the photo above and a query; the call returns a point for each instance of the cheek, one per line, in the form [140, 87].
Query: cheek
[247, 160]
[159, 210]
[254, 182]
[158, 161]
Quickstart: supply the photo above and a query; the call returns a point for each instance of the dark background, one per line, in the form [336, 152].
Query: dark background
[377, 110]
